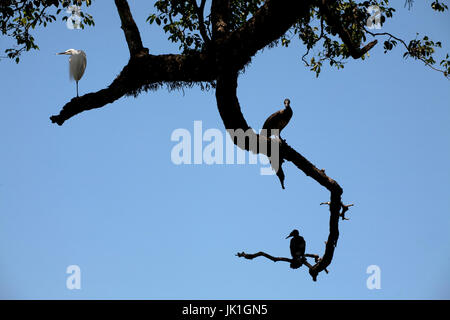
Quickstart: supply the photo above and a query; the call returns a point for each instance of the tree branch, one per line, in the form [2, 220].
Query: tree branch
[130, 29]
[251, 256]
[220, 13]
[262, 254]
[411, 53]
[142, 73]
[345, 208]
[201, 19]
[150, 71]
[230, 111]
[334, 21]
[267, 25]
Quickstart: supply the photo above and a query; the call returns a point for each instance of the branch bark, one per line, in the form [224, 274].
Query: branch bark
[270, 22]
[251, 256]
[345, 208]
[130, 29]
[220, 11]
[142, 73]
[201, 19]
[230, 111]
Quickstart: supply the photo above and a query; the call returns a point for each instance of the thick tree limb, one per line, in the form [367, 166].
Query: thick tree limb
[146, 72]
[220, 15]
[230, 111]
[268, 24]
[87, 102]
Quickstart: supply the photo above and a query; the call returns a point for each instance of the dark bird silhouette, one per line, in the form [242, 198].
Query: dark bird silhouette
[297, 246]
[278, 120]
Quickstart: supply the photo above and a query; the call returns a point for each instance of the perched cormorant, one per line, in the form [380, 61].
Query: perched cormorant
[279, 119]
[297, 247]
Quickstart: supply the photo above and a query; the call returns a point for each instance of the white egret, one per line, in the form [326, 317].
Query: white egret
[77, 64]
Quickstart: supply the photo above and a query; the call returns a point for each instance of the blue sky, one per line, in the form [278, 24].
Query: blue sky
[101, 192]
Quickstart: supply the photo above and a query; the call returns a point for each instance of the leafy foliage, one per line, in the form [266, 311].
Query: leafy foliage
[424, 50]
[188, 23]
[181, 20]
[354, 17]
[18, 17]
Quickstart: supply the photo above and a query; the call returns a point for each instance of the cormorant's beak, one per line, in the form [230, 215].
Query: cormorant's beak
[289, 236]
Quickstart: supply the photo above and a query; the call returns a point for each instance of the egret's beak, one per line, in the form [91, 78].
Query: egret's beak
[65, 52]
